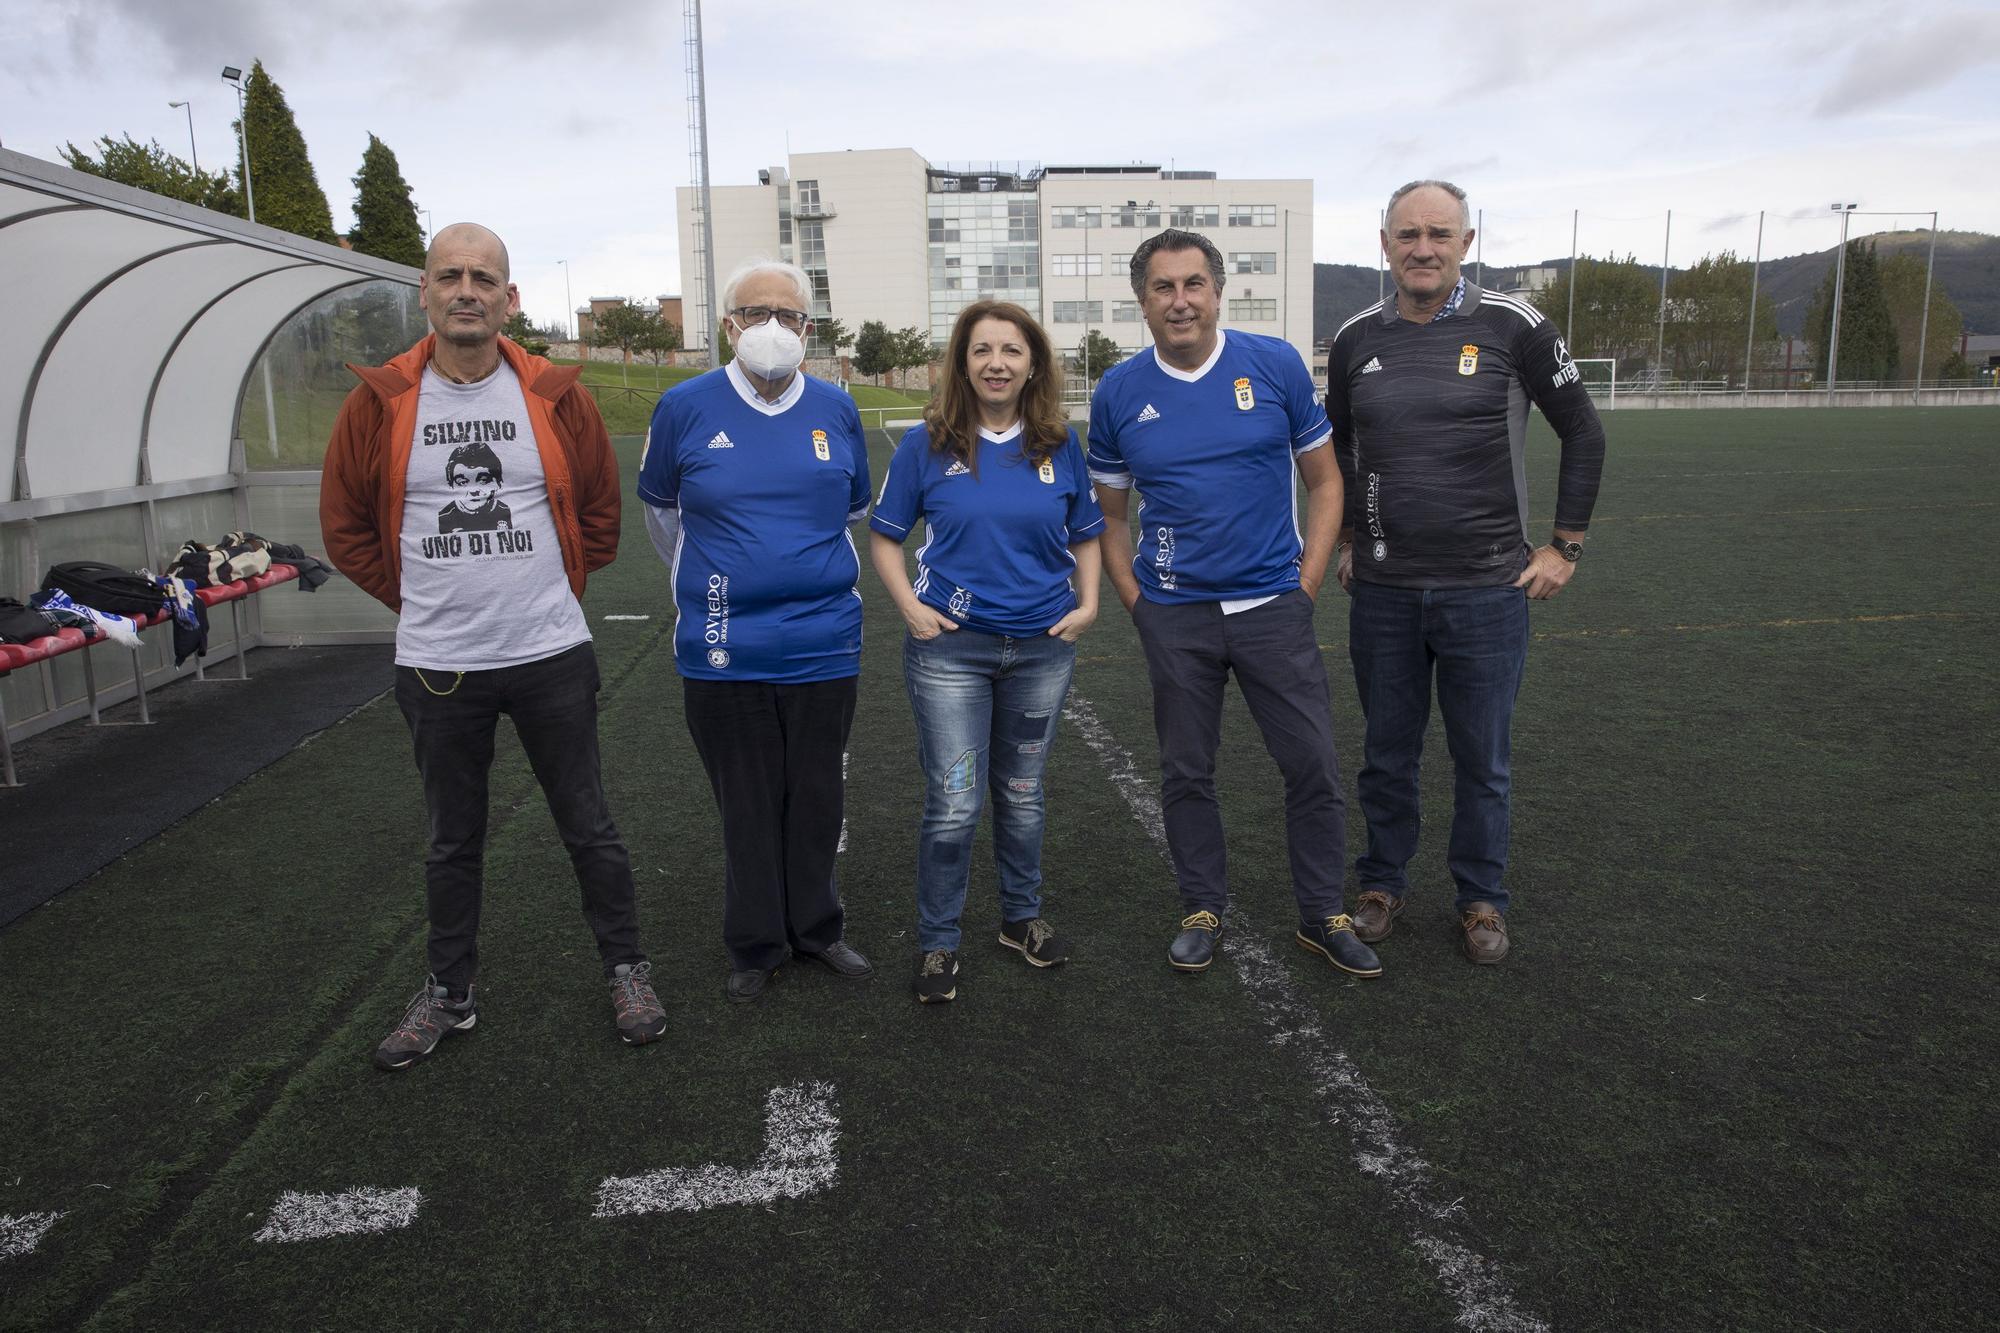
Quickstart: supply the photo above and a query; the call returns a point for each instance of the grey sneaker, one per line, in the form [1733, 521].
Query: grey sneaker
[937, 977]
[1035, 940]
[432, 1016]
[641, 1018]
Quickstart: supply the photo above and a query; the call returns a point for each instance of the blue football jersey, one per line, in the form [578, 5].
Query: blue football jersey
[764, 572]
[1210, 452]
[996, 554]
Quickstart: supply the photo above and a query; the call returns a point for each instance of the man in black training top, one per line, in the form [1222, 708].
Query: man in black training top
[1428, 395]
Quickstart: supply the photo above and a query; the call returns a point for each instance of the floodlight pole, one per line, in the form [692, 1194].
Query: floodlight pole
[1750, 338]
[1846, 212]
[1479, 240]
[233, 75]
[1569, 327]
[1660, 346]
[698, 94]
[1924, 328]
[193, 157]
[569, 319]
[1382, 262]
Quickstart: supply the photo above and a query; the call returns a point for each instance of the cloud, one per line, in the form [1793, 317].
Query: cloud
[1920, 58]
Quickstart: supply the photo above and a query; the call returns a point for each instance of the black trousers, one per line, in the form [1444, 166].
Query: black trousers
[452, 718]
[773, 755]
[1191, 650]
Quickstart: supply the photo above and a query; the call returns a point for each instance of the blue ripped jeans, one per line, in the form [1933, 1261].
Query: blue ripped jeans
[986, 707]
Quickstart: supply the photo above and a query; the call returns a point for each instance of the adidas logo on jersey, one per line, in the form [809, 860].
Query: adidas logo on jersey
[1374, 364]
[722, 441]
[958, 469]
[1148, 413]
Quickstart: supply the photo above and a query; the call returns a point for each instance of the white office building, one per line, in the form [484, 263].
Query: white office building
[887, 236]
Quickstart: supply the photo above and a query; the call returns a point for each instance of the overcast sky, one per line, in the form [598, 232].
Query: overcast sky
[564, 126]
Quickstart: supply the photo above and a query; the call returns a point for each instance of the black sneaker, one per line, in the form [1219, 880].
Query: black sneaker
[432, 1016]
[937, 977]
[1194, 948]
[1334, 940]
[641, 1017]
[1035, 940]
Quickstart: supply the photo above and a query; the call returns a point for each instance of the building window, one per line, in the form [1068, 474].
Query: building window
[1079, 312]
[1139, 215]
[1244, 309]
[808, 197]
[1253, 215]
[1082, 215]
[1197, 215]
[1076, 266]
[1254, 261]
[1124, 312]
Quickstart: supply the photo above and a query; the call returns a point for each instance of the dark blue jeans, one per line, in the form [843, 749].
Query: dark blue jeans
[986, 707]
[452, 718]
[1474, 641]
[1191, 650]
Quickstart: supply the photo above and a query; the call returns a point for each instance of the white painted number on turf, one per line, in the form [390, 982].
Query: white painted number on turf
[357, 1212]
[20, 1234]
[799, 1158]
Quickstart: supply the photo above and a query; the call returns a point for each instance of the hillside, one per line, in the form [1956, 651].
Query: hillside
[1968, 271]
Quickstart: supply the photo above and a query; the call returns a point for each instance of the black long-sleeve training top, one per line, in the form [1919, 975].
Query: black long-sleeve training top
[1429, 427]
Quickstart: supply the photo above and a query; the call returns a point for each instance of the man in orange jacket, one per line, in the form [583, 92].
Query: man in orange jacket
[488, 615]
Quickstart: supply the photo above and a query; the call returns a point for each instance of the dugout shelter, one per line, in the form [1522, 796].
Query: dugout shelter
[167, 373]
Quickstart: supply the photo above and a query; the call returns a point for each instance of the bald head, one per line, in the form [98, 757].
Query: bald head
[463, 237]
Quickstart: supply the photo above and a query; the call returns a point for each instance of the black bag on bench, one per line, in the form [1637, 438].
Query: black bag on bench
[22, 624]
[103, 587]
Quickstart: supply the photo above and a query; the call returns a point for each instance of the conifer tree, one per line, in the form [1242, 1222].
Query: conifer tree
[385, 218]
[283, 186]
[1868, 348]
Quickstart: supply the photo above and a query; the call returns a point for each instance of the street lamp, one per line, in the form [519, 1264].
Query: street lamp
[233, 75]
[189, 108]
[1846, 212]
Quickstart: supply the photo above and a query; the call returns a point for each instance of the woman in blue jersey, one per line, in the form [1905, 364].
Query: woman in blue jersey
[751, 475]
[1006, 582]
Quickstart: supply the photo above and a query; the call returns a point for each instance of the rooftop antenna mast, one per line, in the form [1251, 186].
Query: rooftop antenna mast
[704, 216]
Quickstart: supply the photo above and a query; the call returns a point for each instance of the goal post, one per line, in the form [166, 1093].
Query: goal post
[1600, 377]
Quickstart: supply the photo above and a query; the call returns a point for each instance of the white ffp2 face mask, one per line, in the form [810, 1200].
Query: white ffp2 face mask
[770, 350]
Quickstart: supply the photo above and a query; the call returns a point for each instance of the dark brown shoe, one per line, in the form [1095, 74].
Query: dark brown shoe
[1375, 914]
[1485, 934]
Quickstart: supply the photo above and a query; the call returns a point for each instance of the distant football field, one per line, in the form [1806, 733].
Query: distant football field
[1738, 1072]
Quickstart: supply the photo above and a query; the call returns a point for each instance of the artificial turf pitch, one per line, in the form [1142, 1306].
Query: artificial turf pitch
[1738, 1072]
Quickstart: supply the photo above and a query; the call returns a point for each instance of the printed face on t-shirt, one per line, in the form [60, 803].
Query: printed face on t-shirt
[474, 475]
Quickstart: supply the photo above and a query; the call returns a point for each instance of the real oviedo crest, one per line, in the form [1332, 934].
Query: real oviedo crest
[1047, 472]
[820, 451]
[1468, 359]
[1245, 400]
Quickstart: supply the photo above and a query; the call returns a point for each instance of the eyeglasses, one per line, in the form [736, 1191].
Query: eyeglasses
[750, 316]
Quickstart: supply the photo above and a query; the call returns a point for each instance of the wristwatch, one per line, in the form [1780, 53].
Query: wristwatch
[1570, 551]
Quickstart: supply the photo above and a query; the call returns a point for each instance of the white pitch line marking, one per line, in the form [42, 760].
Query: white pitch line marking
[21, 1233]
[1474, 1282]
[627, 617]
[801, 1133]
[355, 1212]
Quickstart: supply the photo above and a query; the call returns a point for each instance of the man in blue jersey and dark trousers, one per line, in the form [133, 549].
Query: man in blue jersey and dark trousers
[1428, 394]
[751, 475]
[1208, 429]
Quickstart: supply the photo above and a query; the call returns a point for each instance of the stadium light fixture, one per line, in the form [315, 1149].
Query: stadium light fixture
[193, 157]
[232, 75]
[1846, 212]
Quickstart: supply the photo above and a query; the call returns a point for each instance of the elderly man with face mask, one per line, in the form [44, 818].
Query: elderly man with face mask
[751, 475]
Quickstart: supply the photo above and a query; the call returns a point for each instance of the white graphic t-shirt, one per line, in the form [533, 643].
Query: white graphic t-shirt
[483, 581]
